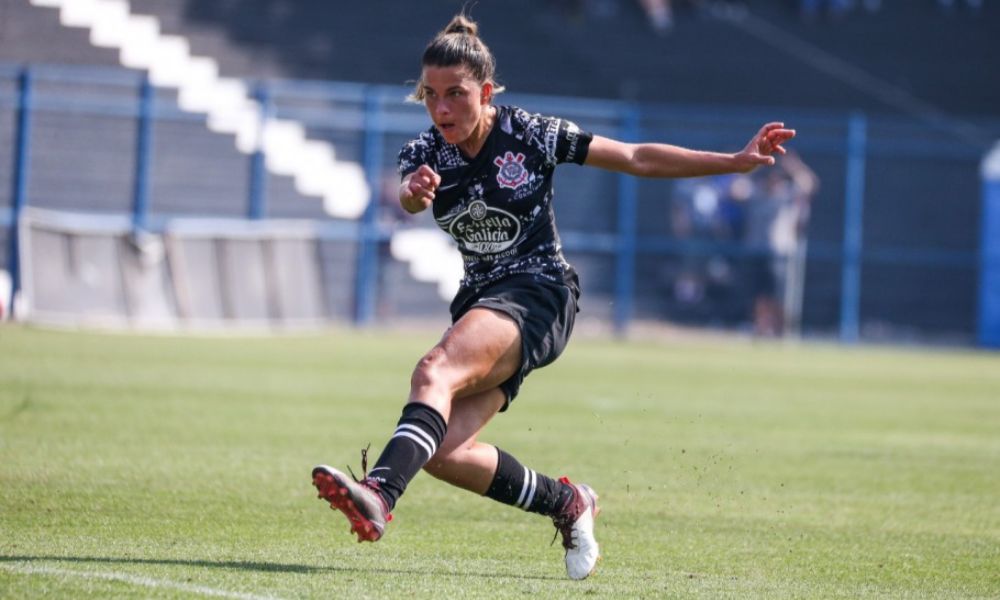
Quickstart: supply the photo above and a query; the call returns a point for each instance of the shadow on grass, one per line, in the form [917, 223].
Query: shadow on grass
[266, 567]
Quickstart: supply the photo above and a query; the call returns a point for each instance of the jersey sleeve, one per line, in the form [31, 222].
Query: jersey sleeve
[415, 153]
[571, 143]
[561, 140]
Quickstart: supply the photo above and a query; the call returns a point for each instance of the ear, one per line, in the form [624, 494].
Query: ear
[486, 93]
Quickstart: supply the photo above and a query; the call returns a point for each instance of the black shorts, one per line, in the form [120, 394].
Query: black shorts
[543, 309]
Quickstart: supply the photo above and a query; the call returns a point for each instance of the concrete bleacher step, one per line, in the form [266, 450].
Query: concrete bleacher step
[226, 103]
[192, 168]
[31, 35]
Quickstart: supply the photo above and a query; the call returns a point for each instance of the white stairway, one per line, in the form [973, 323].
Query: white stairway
[227, 104]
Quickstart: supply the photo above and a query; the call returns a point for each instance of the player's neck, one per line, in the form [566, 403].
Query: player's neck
[474, 143]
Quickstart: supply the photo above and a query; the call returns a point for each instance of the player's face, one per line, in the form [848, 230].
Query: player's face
[455, 101]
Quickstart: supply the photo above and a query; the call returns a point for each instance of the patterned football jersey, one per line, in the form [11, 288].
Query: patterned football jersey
[498, 205]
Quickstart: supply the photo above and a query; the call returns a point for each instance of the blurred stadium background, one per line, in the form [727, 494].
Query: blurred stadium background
[187, 165]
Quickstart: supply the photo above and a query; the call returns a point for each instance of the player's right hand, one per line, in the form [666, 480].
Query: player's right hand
[417, 189]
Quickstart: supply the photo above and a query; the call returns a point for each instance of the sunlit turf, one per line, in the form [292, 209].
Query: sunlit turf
[179, 467]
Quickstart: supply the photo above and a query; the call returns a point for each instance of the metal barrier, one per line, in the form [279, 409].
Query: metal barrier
[376, 119]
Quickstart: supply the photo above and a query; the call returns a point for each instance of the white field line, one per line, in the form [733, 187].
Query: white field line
[131, 579]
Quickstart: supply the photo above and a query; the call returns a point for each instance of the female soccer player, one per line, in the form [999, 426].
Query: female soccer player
[487, 173]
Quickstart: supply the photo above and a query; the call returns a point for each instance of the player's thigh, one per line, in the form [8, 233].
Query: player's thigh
[478, 353]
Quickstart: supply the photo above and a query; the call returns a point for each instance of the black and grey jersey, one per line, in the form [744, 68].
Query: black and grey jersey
[498, 205]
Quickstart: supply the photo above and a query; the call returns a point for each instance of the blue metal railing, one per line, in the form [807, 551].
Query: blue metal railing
[143, 152]
[367, 270]
[375, 112]
[628, 201]
[854, 200]
[22, 162]
[257, 201]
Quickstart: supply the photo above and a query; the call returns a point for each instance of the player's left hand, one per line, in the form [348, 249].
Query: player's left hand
[761, 148]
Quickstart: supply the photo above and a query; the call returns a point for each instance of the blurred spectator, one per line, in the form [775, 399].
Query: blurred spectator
[776, 216]
[743, 247]
[707, 219]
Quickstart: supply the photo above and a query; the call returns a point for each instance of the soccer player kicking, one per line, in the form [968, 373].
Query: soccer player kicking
[486, 171]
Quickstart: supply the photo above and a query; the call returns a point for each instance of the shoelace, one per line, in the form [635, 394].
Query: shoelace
[564, 521]
[564, 527]
[364, 465]
[364, 479]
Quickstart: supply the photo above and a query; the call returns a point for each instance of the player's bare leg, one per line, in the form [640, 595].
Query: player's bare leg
[462, 460]
[477, 353]
[454, 393]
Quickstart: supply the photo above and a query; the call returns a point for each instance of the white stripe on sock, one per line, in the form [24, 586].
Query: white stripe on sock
[418, 441]
[524, 487]
[423, 434]
[531, 494]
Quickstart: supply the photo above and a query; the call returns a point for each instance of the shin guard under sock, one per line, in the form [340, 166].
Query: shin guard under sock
[418, 434]
[519, 486]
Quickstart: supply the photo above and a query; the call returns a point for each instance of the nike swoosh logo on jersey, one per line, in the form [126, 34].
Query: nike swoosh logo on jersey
[446, 187]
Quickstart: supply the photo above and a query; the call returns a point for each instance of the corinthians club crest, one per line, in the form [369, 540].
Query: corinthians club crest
[512, 172]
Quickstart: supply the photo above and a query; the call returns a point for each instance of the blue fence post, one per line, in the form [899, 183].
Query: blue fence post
[366, 281]
[22, 164]
[257, 192]
[854, 200]
[143, 153]
[989, 253]
[628, 205]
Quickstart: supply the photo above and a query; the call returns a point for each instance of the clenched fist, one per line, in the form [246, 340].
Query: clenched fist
[416, 192]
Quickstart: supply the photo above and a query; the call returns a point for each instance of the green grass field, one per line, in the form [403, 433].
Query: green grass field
[174, 467]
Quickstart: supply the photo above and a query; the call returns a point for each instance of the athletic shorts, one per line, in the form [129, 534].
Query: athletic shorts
[543, 309]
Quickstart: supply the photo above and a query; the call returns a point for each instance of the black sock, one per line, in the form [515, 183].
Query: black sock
[519, 486]
[418, 434]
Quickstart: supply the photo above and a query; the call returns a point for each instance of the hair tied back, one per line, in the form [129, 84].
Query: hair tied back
[459, 44]
[462, 25]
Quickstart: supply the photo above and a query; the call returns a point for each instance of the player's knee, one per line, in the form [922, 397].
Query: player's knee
[429, 371]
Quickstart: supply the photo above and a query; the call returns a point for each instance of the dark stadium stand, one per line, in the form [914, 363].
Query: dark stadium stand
[540, 49]
[946, 61]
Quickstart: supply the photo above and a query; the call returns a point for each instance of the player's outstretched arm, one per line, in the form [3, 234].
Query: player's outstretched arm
[664, 160]
[416, 191]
